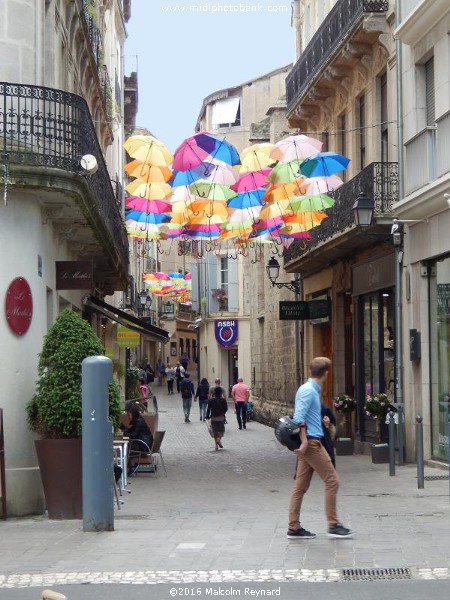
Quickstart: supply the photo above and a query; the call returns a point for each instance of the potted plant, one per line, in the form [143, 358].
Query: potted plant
[222, 298]
[377, 406]
[344, 405]
[54, 412]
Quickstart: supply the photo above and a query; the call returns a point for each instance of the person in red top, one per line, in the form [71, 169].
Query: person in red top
[240, 393]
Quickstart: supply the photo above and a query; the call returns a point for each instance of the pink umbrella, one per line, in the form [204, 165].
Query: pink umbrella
[251, 181]
[188, 276]
[160, 275]
[296, 147]
[148, 206]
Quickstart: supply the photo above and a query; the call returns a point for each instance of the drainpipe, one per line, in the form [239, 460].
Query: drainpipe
[298, 337]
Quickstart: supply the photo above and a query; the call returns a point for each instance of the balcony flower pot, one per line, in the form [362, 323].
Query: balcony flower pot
[54, 412]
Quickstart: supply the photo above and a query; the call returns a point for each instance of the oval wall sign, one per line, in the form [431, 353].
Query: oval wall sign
[19, 306]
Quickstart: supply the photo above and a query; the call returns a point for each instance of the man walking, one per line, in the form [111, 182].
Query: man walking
[240, 394]
[187, 392]
[179, 374]
[312, 456]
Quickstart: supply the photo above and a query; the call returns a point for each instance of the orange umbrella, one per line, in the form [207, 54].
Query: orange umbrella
[147, 172]
[284, 191]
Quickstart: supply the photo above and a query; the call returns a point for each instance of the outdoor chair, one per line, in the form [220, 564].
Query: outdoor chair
[145, 458]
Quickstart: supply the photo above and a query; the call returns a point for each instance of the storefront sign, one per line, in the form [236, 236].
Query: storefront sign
[74, 275]
[19, 306]
[374, 275]
[293, 311]
[226, 332]
[127, 338]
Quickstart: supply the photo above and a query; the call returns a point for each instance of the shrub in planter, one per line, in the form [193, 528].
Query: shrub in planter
[55, 411]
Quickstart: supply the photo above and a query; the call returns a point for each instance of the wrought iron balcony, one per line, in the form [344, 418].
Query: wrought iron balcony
[45, 127]
[378, 180]
[95, 37]
[344, 17]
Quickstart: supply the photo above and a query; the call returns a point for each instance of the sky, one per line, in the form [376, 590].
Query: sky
[187, 49]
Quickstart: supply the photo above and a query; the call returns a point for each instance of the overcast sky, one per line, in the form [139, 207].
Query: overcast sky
[187, 49]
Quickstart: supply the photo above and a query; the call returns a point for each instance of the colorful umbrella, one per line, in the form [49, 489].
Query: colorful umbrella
[321, 185]
[251, 181]
[247, 199]
[151, 191]
[285, 172]
[204, 147]
[296, 147]
[148, 206]
[148, 149]
[147, 218]
[284, 191]
[206, 171]
[324, 164]
[147, 172]
[214, 191]
[256, 157]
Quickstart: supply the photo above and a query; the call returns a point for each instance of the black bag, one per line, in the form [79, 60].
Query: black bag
[185, 389]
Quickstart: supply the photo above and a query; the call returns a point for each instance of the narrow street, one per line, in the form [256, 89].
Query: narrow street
[220, 517]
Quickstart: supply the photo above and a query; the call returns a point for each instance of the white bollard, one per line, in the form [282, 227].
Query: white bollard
[51, 595]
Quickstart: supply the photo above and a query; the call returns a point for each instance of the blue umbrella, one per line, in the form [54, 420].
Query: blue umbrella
[201, 171]
[324, 164]
[142, 217]
[247, 199]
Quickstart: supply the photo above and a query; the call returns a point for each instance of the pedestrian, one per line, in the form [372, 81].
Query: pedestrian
[179, 374]
[150, 374]
[240, 393]
[187, 392]
[329, 431]
[170, 377]
[160, 371]
[143, 392]
[217, 384]
[312, 455]
[217, 408]
[202, 394]
[184, 360]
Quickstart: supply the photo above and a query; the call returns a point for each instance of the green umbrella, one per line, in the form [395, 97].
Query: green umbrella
[285, 172]
[311, 203]
[212, 191]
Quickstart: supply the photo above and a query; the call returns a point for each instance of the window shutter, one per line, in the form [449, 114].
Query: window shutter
[429, 92]
[195, 286]
[233, 287]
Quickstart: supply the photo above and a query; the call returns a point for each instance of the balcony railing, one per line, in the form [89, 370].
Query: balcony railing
[51, 128]
[378, 180]
[344, 17]
[95, 37]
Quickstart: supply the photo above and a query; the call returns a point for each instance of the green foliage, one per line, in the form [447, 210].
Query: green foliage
[132, 383]
[55, 409]
[377, 405]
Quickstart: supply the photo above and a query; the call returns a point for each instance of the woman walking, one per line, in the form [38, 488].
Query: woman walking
[202, 394]
[217, 407]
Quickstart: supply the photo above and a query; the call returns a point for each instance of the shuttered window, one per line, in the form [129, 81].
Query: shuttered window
[429, 92]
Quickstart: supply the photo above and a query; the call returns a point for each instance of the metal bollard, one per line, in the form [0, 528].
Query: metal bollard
[419, 452]
[391, 426]
[401, 458]
[97, 445]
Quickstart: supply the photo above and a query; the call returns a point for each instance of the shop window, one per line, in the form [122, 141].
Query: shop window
[439, 286]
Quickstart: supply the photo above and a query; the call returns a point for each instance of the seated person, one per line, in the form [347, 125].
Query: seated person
[136, 430]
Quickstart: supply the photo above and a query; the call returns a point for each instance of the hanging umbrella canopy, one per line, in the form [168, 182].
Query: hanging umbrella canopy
[151, 191]
[148, 149]
[307, 203]
[256, 157]
[251, 181]
[148, 206]
[322, 185]
[147, 172]
[324, 164]
[286, 172]
[208, 208]
[247, 199]
[213, 191]
[181, 193]
[147, 218]
[295, 148]
[309, 219]
[206, 171]
[284, 191]
[204, 147]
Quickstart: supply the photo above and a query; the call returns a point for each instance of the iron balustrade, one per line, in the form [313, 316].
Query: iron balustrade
[378, 180]
[343, 18]
[47, 127]
[95, 37]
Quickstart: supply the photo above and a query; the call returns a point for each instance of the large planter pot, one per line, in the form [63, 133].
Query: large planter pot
[344, 447]
[61, 473]
[380, 453]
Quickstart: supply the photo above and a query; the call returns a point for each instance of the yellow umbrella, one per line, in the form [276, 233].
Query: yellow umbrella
[147, 172]
[151, 191]
[209, 208]
[148, 149]
[256, 157]
[284, 191]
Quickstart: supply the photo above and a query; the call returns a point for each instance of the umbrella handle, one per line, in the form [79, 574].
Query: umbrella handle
[159, 248]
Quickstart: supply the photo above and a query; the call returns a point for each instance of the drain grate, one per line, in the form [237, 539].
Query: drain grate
[375, 574]
[435, 477]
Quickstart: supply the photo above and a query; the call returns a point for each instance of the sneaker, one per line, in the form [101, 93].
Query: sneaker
[339, 531]
[300, 533]
[219, 444]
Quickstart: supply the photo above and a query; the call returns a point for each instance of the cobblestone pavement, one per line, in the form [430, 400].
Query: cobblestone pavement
[221, 516]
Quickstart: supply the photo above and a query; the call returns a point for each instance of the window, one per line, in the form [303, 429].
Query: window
[224, 279]
[361, 123]
[384, 128]
[325, 141]
[226, 113]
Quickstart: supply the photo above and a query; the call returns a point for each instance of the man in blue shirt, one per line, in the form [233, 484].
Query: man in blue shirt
[312, 456]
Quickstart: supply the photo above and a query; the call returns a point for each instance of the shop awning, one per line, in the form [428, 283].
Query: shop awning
[131, 322]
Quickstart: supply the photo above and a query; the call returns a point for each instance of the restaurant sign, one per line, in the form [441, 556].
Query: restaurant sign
[127, 338]
[226, 332]
[301, 310]
[19, 306]
[74, 275]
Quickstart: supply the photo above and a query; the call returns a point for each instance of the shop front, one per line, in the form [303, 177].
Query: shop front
[373, 302]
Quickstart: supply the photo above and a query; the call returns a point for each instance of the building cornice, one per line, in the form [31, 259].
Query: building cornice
[421, 20]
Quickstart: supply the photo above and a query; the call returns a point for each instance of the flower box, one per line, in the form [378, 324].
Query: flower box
[344, 447]
[380, 453]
